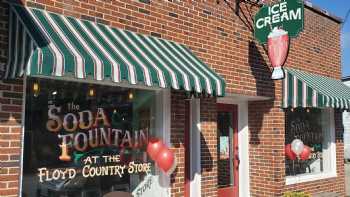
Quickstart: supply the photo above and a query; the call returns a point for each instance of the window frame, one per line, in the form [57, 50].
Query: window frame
[330, 157]
[163, 122]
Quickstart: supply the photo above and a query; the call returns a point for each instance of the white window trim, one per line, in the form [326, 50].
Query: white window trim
[243, 140]
[163, 125]
[330, 164]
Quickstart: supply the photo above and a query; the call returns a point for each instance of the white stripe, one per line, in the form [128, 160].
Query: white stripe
[58, 67]
[285, 91]
[197, 83]
[29, 64]
[218, 82]
[98, 63]
[147, 76]
[172, 73]
[159, 71]
[304, 96]
[209, 88]
[184, 75]
[295, 91]
[116, 50]
[77, 56]
[115, 65]
[24, 52]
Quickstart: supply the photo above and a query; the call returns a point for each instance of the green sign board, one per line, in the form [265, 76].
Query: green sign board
[287, 14]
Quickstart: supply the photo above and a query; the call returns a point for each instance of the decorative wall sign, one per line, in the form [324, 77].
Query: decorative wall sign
[224, 147]
[274, 25]
[85, 130]
[287, 14]
[79, 145]
[162, 155]
[148, 186]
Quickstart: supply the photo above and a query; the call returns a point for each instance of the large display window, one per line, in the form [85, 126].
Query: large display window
[310, 145]
[88, 140]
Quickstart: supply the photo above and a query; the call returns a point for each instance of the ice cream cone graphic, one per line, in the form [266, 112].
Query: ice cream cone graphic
[278, 45]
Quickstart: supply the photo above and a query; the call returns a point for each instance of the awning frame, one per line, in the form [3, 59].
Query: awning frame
[307, 90]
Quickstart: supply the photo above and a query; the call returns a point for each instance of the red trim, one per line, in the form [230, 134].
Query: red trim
[232, 191]
[187, 148]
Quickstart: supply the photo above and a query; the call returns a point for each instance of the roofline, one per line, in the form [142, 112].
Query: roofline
[318, 10]
[344, 79]
[323, 12]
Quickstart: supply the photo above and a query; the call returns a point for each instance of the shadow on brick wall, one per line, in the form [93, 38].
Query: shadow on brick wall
[261, 72]
[207, 164]
[11, 102]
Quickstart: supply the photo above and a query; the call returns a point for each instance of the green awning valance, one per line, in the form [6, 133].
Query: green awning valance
[303, 89]
[48, 44]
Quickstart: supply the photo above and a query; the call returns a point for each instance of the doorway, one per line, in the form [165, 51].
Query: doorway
[228, 157]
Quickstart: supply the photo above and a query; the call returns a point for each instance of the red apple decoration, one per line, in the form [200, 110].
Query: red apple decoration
[278, 45]
[165, 159]
[125, 156]
[289, 153]
[306, 153]
[153, 148]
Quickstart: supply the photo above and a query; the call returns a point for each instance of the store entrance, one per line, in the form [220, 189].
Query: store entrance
[228, 160]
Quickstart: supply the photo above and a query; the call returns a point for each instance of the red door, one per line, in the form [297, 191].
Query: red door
[228, 160]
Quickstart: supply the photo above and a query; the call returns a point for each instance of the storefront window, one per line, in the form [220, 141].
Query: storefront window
[86, 140]
[313, 128]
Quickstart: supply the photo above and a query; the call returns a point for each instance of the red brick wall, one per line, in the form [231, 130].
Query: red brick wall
[178, 141]
[10, 119]
[225, 42]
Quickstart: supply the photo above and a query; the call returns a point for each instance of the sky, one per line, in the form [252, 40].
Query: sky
[340, 8]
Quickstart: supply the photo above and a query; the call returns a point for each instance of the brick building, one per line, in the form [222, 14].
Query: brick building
[192, 75]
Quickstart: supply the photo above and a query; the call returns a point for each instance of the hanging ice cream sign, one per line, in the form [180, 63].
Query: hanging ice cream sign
[275, 25]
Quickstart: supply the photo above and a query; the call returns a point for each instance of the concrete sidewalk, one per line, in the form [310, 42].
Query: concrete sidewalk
[347, 179]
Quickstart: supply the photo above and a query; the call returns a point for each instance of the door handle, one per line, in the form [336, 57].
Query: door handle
[238, 160]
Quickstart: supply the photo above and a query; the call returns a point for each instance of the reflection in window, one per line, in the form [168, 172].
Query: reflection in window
[85, 140]
[310, 127]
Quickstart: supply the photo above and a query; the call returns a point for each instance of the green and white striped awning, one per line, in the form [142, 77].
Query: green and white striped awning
[303, 89]
[48, 44]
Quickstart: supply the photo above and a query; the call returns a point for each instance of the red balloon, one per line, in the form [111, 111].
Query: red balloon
[289, 153]
[153, 148]
[306, 153]
[165, 159]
